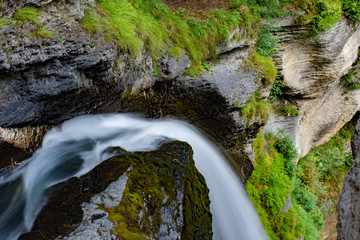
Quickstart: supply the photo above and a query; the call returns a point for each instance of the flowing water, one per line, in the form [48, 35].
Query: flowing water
[78, 146]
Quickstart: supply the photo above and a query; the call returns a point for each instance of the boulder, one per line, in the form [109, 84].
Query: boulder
[157, 194]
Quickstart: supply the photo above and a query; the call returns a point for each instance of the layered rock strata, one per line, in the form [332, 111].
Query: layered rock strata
[312, 67]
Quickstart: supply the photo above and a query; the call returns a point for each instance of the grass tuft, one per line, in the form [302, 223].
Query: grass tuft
[256, 110]
[30, 14]
[264, 66]
[44, 32]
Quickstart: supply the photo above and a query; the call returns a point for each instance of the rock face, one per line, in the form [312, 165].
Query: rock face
[348, 226]
[157, 195]
[47, 81]
[312, 67]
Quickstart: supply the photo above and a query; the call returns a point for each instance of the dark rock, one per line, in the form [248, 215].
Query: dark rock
[165, 196]
[10, 156]
[348, 226]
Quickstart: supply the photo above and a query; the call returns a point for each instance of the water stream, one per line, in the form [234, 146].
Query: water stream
[78, 145]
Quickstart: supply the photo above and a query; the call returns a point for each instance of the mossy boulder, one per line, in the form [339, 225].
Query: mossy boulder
[164, 197]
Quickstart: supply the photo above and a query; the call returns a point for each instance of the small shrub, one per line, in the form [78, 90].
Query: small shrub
[266, 44]
[351, 9]
[284, 144]
[275, 91]
[350, 82]
[328, 14]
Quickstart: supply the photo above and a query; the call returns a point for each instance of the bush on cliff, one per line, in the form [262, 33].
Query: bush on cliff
[272, 184]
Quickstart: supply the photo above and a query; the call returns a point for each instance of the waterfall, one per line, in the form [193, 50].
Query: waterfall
[78, 145]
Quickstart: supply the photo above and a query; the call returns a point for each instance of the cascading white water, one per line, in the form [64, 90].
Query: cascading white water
[77, 146]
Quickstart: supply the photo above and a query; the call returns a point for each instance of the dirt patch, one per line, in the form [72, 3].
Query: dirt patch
[196, 6]
[329, 232]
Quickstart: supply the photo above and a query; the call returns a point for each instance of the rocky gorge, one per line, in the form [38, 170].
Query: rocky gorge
[48, 80]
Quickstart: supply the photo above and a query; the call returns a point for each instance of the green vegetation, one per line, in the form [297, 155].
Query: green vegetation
[264, 66]
[351, 78]
[267, 42]
[44, 32]
[5, 22]
[321, 14]
[287, 109]
[275, 91]
[136, 25]
[328, 13]
[32, 15]
[351, 9]
[271, 184]
[256, 110]
[313, 186]
[153, 184]
[322, 172]
[28, 14]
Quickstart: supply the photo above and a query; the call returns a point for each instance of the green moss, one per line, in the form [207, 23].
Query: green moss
[153, 183]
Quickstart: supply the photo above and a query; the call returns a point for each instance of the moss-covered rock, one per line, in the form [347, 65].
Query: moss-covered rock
[165, 198]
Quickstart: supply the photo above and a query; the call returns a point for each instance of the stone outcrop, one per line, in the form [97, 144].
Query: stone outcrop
[141, 195]
[348, 226]
[47, 81]
[312, 67]
[26, 138]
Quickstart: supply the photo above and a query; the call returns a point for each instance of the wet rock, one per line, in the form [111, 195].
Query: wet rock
[10, 156]
[160, 196]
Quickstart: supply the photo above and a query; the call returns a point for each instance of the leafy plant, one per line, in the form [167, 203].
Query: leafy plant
[271, 184]
[275, 91]
[321, 174]
[284, 144]
[328, 14]
[351, 9]
[266, 44]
